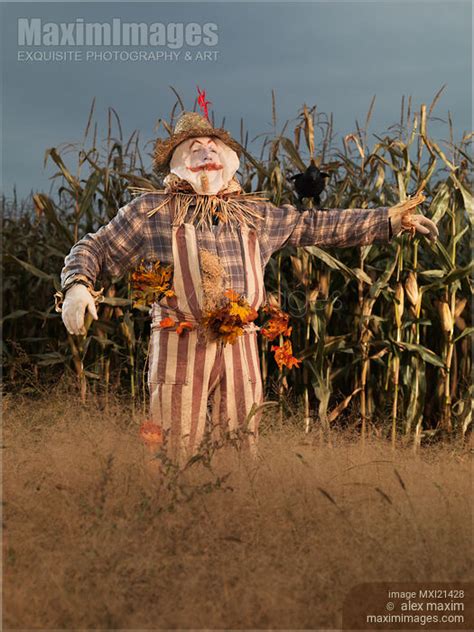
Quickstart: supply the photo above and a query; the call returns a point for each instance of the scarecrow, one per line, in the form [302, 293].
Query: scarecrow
[209, 243]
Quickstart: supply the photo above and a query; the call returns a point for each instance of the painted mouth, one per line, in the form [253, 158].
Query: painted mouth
[211, 166]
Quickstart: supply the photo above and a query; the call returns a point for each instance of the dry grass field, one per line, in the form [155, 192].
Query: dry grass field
[93, 540]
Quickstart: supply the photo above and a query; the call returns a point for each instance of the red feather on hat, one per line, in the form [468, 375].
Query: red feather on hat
[202, 102]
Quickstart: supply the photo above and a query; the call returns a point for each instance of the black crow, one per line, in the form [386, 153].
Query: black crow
[310, 184]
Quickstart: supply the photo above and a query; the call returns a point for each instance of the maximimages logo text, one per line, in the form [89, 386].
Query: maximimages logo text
[162, 41]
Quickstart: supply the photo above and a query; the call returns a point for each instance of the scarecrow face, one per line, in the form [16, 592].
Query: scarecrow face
[206, 163]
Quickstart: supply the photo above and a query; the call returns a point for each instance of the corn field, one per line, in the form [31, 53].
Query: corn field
[383, 330]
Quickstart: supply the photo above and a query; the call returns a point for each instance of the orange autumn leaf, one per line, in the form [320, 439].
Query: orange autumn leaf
[238, 310]
[231, 295]
[277, 325]
[183, 326]
[232, 337]
[244, 312]
[253, 314]
[151, 433]
[230, 333]
[284, 356]
[292, 361]
[167, 322]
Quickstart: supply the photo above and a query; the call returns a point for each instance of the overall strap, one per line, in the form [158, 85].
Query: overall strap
[187, 274]
[254, 279]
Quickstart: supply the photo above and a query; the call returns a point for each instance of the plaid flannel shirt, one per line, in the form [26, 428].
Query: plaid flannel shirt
[131, 236]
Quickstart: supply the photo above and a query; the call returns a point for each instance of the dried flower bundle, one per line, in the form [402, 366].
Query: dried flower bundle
[228, 320]
[150, 281]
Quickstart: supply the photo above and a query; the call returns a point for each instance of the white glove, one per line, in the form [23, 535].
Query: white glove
[76, 301]
[419, 222]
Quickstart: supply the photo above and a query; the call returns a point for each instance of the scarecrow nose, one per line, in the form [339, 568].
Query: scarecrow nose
[207, 155]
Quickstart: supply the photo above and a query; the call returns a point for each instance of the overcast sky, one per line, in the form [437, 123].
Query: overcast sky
[336, 55]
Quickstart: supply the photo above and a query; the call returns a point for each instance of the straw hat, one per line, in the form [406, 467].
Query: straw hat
[189, 125]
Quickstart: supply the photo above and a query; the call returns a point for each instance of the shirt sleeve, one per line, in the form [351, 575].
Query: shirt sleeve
[113, 249]
[340, 228]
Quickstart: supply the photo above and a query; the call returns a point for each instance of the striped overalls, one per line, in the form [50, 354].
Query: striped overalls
[187, 374]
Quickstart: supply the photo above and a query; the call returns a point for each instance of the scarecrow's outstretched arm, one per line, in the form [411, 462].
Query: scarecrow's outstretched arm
[286, 225]
[341, 228]
[114, 248]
